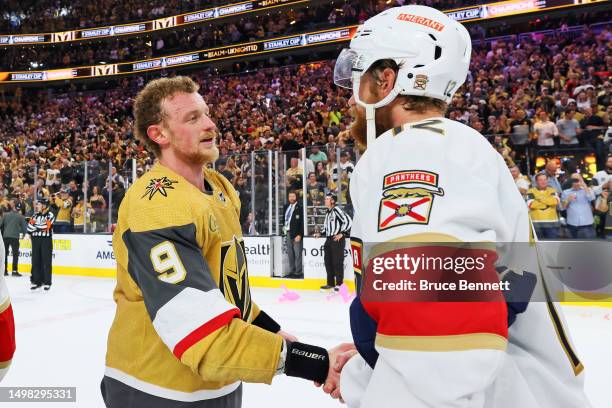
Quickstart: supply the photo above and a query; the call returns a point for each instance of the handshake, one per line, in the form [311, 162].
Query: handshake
[338, 356]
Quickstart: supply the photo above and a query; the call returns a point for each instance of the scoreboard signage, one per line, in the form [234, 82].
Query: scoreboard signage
[464, 14]
[510, 8]
[148, 26]
[473, 13]
[202, 56]
[28, 76]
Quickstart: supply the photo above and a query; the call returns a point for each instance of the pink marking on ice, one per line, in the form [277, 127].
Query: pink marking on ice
[288, 295]
[343, 293]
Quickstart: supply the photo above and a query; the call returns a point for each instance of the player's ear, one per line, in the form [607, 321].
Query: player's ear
[387, 81]
[157, 134]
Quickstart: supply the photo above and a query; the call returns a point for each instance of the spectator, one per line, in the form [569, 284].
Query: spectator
[593, 133]
[322, 174]
[98, 205]
[66, 173]
[249, 227]
[53, 178]
[603, 176]
[545, 131]
[503, 149]
[315, 191]
[221, 166]
[345, 163]
[604, 206]
[522, 182]
[118, 178]
[293, 228]
[542, 201]
[551, 170]
[63, 219]
[520, 128]
[244, 193]
[74, 192]
[577, 200]
[81, 214]
[569, 129]
[317, 155]
[294, 176]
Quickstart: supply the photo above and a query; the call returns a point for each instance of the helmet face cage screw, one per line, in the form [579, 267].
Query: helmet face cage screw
[410, 75]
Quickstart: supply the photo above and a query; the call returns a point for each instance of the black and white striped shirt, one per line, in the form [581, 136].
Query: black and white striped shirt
[336, 222]
[41, 225]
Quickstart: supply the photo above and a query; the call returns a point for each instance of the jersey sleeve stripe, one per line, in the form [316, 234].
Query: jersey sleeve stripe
[204, 330]
[189, 312]
[7, 336]
[460, 342]
[4, 304]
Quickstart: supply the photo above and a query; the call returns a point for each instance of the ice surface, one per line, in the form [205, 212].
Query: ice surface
[61, 341]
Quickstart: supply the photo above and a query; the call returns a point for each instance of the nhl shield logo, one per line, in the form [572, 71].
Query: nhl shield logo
[408, 197]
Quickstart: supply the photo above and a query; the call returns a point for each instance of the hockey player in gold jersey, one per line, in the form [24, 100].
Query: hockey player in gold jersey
[186, 331]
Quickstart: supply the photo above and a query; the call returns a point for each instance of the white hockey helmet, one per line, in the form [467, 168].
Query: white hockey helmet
[432, 50]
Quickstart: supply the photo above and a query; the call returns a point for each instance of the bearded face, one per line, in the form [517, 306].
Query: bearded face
[369, 92]
[359, 126]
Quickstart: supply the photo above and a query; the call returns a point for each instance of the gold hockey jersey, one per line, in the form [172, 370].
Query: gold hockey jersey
[185, 327]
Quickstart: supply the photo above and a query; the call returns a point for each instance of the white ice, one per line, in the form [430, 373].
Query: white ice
[61, 341]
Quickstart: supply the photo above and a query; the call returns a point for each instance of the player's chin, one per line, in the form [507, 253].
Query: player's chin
[209, 154]
[204, 155]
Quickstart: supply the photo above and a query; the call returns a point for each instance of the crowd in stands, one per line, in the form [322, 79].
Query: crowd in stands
[528, 96]
[221, 32]
[35, 16]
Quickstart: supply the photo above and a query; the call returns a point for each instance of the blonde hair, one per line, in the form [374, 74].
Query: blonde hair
[148, 106]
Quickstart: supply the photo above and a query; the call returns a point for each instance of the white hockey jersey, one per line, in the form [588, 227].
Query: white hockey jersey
[7, 323]
[440, 181]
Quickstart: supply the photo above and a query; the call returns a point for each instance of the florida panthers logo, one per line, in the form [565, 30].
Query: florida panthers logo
[408, 196]
[160, 185]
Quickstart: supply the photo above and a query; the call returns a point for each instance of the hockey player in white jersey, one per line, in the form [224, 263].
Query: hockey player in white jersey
[427, 179]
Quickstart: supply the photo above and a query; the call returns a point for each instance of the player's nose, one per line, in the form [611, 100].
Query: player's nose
[208, 124]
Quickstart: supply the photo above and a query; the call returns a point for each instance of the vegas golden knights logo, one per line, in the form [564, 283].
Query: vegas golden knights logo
[234, 282]
[63, 36]
[162, 23]
[103, 70]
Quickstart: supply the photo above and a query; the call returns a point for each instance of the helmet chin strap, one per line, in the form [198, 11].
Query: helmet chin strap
[370, 109]
[371, 123]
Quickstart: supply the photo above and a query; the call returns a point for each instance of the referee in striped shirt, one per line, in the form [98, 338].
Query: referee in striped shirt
[336, 228]
[40, 228]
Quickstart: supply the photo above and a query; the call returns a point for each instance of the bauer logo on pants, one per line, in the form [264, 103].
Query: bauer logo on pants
[407, 198]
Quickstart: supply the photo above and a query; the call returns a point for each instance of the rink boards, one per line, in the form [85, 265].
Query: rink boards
[92, 255]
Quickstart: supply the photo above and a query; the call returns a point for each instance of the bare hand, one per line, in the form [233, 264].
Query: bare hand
[317, 235]
[298, 238]
[571, 197]
[332, 383]
[287, 336]
[338, 237]
[342, 359]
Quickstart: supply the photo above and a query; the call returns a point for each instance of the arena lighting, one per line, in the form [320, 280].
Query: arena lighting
[463, 14]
